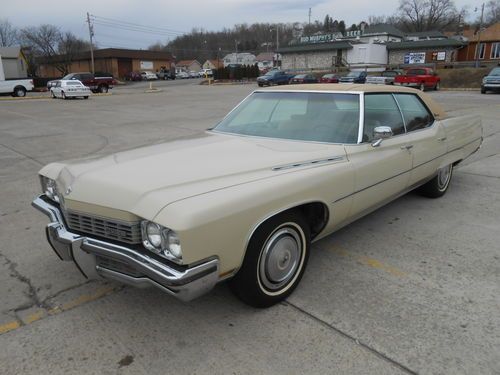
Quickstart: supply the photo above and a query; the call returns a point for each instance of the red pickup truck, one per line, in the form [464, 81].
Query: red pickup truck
[97, 83]
[422, 78]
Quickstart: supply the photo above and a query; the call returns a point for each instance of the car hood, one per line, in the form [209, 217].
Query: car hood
[144, 180]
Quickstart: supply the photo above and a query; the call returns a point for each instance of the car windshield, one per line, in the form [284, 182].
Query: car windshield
[68, 76]
[300, 76]
[495, 72]
[329, 76]
[353, 74]
[304, 116]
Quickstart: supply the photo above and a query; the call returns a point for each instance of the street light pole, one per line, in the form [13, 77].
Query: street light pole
[478, 46]
[91, 34]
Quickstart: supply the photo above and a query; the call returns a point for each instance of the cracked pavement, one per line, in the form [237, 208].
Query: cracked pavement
[412, 288]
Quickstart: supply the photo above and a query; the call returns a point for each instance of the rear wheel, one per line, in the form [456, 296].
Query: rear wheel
[85, 97]
[275, 261]
[52, 95]
[103, 89]
[422, 87]
[438, 186]
[63, 95]
[437, 87]
[19, 92]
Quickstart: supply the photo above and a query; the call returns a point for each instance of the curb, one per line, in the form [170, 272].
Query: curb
[44, 97]
[460, 89]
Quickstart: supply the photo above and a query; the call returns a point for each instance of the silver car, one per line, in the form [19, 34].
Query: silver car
[69, 89]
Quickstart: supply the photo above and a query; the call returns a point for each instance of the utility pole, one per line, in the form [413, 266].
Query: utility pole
[310, 16]
[478, 46]
[91, 35]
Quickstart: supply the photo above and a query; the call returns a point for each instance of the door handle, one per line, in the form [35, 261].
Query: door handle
[407, 147]
[442, 139]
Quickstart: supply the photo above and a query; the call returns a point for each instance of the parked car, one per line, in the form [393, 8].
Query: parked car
[69, 88]
[385, 78]
[165, 74]
[303, 78]
[330, 78]
[354, 77]
[245, 200]
[14, 87]
[193, 74]
[148, 76]
[421, 78]
[274, 77]
[182, 75]
[207, 73]
[491, 82]
[133, 76]
[101, 82]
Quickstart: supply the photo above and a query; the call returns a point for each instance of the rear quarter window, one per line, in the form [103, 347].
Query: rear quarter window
[415, 113]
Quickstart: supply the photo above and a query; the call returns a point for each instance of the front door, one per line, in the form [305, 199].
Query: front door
[382, 172]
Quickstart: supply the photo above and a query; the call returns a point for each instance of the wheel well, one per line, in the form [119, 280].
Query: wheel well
[20, 87]
[315, 214]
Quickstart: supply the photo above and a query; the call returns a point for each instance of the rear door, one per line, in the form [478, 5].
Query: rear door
[381, 173]
[427, 139]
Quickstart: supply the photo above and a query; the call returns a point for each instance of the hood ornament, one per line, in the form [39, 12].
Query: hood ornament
[68, 190]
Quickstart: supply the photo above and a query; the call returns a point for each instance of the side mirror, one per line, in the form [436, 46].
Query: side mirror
[380, 133]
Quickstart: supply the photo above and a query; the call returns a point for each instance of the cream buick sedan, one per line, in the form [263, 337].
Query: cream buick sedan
[244, 200]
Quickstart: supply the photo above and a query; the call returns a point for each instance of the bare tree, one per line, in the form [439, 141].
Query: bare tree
[492, 12]
[47, 44]
[425, 15]
[8, 33]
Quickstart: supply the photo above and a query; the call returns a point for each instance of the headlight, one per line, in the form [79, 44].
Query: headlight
[484, 80]
[163, 241]
[49, 187]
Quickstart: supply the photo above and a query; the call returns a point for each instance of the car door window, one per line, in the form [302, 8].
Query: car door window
[381, 110]
[415, 114]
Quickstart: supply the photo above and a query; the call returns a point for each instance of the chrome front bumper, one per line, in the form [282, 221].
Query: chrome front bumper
[96, 258]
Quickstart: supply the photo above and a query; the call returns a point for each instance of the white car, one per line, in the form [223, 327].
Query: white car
[149, 76]
[182, 75]
[69, 89]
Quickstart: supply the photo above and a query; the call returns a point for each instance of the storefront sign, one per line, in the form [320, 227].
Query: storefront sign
[439, 56]
[146, 65]
[320, 38]
[415, 58]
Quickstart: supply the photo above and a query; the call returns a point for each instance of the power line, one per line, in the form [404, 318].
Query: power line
[139, 25]
[136, 29]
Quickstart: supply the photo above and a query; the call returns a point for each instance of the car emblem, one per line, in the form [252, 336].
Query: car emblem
[68, 190]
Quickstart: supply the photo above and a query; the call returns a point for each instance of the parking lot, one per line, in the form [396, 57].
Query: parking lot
[411, 288]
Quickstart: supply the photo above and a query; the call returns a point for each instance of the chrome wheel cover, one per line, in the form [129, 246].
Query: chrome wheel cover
[281, 258]
[444, 176]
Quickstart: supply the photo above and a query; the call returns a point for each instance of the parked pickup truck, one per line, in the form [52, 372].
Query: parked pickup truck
[385, 78]
[15, 87]
[97, 83]
[422, 78]
[274, 77]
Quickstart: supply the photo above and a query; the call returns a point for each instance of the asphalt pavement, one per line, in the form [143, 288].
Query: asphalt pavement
[413, 288]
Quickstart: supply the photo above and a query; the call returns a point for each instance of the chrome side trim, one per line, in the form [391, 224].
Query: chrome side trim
[309, 162]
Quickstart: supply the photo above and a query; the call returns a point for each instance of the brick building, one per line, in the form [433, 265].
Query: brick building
[424, 51]
[118, 62]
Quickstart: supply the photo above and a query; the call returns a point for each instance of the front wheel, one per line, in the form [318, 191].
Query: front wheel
[437, 87]
[103, 89]
[275, 261]
[438, 186]
[422, 87]
[63, 95]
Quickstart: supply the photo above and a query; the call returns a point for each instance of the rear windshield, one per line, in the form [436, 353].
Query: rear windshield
[304, 116]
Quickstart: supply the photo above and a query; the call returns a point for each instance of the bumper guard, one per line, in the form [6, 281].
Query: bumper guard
[185, 284]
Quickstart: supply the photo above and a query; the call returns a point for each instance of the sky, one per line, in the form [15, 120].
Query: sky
[182, 16]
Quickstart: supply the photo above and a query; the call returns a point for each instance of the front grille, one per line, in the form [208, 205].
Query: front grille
[104, 227]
